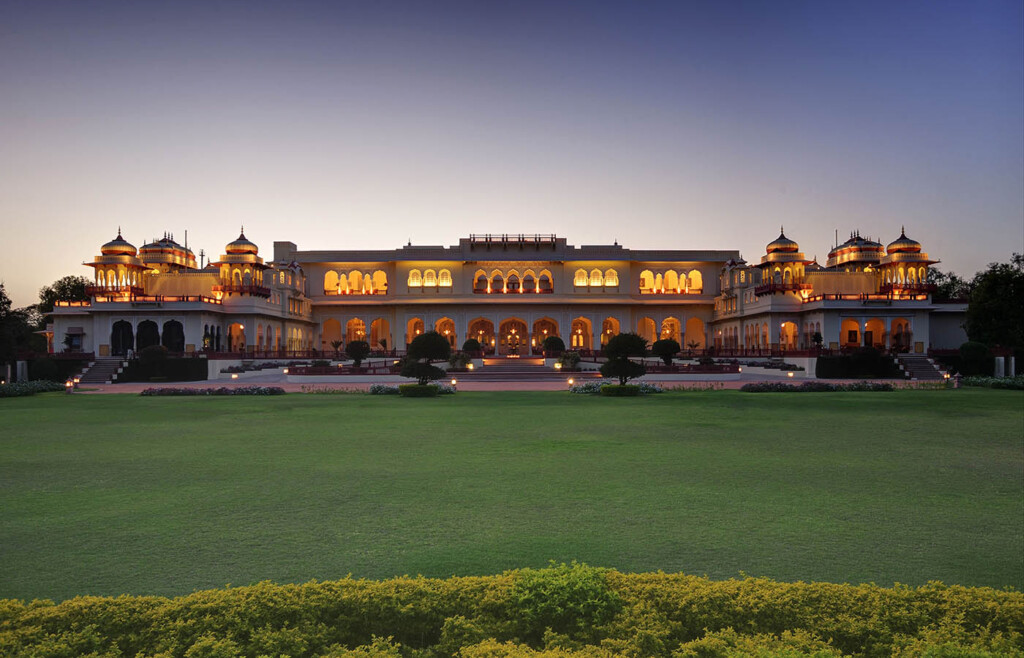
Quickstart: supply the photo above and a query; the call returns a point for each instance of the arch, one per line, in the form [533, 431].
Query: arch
[695, 282]
[331, 282]
[236, 337]
[849, 333]
[343, 288]
[659, 282]
[695, 335]
[596, 278]
[355, 329]
[646, 282]
[173, 336]
[415, 279]
[236, 277]
[787, 275]
[609, 328]
[529, 281]
[355, 282]
[544, 282]
[542, 328]
[672, 328]
[259, 336]
[671, 281]
[900, 276]
[446, 327]
[645, 327]
[277, 338]
[922, 274]
[380, 334]
[497, 282]
[512, 336]
[380, 281]
[444, 279]
[429, 278]
[330, 332]
[414, 327]
[900, 334]
[481, 282]
[483, 330]
[581, 334]
[874, 333]
[911, 276]
[788, 335]
[611, 279]
[122, 338]
[512, 284]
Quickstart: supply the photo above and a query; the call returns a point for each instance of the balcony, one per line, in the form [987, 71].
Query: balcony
[112, 291]
[256, 291]
[911, 288]
[772, 288]
[484, 291]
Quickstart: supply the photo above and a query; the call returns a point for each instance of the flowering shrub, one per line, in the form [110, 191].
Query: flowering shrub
[814, 387]
[699, 388]
[594, 388]
[21, 389]
[330, 390]
[569, 360]
[1011, 383]
[383, 389]
[223, 390]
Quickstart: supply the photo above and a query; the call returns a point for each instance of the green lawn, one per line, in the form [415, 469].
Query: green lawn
[106, 494]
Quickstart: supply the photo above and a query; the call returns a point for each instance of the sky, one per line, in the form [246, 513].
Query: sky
[366, 125]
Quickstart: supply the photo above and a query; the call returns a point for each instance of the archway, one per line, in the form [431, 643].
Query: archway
[543, 328]
[645, 327]
[329, 333]
[380, 334]
[581, 336]
[122, 338]
[236, 337]
[483, 330]
[148, 335]
[413, 328]
[511, 336]
[694, 337]
[901, 335]
[609, 328]
[671, 329]
[788, 335]
[355, 329]
[874, 333]
[446, 327]
[173, 337]
[849, 333]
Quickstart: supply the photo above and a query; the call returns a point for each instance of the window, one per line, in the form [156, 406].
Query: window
[430, 278]
[444, 279]
[596, 279]
[611, 278]
[580, 278]
[415, 279]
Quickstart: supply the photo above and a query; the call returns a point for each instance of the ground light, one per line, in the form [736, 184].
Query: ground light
[789, 374]
[234, 375]
[571, 381]
[558, 366]
[285, 371]
[69, 386]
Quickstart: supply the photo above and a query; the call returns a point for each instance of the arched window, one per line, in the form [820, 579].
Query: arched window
[529, 283]
[580, 278]
[331, 282]
[430, 278]
[544, 283]
[415, 279]
[480, 282]
[343, 288]
[513, 282]
[380, 281]
[596, 279]
[355, 282]
[695, 282]
[646, 281]
[611, 278]
[444, 279]
[497, 282]
[671, 281]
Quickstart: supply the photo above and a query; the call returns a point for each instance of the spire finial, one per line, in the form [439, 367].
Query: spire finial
[903, 230]
[782, 230]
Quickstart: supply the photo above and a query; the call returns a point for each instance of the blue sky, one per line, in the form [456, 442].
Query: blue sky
[368, 124]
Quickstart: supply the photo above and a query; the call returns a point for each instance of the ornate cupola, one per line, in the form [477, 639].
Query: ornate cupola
[118, 271]
[857, 254]
[904, 268]
[903, 244]
[241, 269]
[782, 267]
[782, 244]
[165, 255]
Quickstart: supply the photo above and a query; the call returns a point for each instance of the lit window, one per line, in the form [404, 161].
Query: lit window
[430, 278]
[611, 278]
[580, 279]
[415, 281]
[445, 279]
[595, 278]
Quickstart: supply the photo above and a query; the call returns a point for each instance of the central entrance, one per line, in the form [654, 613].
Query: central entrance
[512, 338]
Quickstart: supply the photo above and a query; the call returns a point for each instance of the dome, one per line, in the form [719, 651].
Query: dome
[118, 247]
[782, 243]
[242, 246]
[903, 244]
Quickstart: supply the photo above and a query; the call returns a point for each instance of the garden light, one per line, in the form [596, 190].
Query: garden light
[69, 386]
[286, 371]
[455, 382]
[469, 366]
[571, 381]
[789, 374]
[234, 375]
[558, 366]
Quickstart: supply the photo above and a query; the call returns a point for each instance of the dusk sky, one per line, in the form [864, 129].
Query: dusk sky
[363, 125]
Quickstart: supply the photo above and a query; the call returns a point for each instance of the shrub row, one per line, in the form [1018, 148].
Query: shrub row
[223, 390]
[814, 387]
[21, 389]
[566, 610]
[1011, 383]
[598, 387]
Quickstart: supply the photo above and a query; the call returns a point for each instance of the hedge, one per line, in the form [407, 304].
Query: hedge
[21, 389]
[172, 370]
[565, 610]
[862, 362]
[814, 387]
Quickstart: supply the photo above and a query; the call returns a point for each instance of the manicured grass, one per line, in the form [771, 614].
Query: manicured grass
[112, 494]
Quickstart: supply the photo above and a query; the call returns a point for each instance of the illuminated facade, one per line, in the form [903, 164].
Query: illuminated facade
[509, 292]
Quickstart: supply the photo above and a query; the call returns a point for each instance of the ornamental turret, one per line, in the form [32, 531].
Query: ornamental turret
[904, 268]
[118, 270]
[241, 269]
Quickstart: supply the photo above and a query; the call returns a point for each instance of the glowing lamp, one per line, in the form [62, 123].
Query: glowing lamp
[558, 366]
[789, 374]
[234, 375]
[454, 381]
[286, 371]
[69, 386]
[571, 381]
[468, 366]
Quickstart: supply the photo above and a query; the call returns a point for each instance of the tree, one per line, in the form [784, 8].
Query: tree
[427, 347]
[357, 350]
[995, 313]
[471, 345]
[553, 344]
[17, 329]
[619, 350]
[949, 286]
[665, 349]
[336, 344]
[64, 289]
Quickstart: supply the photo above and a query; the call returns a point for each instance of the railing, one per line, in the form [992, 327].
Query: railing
[506, 238]
[542, 291]
[361, 293]
[114, 290]
[912, 288]
[773, 287]
[27, 355]
[258, 291]
[690, 291]
[389, 369]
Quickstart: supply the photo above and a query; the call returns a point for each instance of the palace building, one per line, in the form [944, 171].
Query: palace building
[509, 292]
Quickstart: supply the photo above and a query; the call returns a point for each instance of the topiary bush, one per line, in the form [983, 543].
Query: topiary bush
[665, 349]
[472, 345]
[553, 345]
[620, 390]
[619, 350]
[357, 350]
[417, 390]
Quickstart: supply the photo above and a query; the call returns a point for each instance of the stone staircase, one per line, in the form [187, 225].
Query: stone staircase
[102, 371]
[919, 367]
[501, 369]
